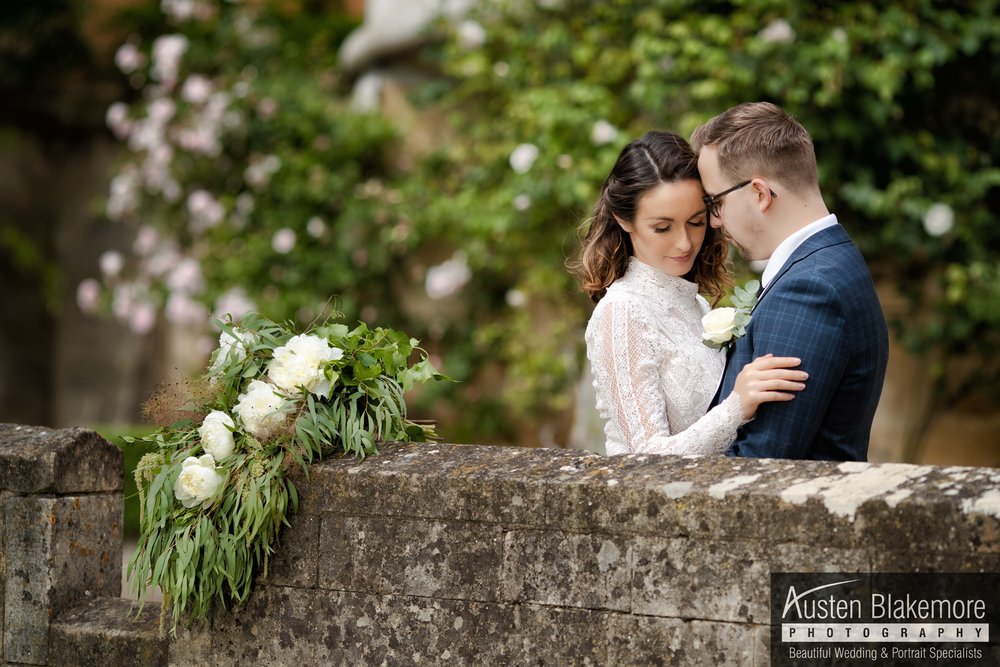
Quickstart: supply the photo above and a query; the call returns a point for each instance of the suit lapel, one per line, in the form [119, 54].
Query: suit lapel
[831, 236]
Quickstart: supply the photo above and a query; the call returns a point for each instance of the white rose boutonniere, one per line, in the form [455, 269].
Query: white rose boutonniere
[217, 435]
[197, 482]
[722, 326]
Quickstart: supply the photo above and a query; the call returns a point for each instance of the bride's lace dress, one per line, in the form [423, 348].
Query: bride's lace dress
[653, 376]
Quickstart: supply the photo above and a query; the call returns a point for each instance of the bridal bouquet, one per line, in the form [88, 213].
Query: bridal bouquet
[215, 492]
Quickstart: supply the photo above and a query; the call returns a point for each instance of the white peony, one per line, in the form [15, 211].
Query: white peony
[217, 435]
[233, 345]
[198, 481]
[719, 325]
[299, 363]
[261, 409]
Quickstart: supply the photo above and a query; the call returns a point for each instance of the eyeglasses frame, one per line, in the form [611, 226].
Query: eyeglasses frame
[712, 202]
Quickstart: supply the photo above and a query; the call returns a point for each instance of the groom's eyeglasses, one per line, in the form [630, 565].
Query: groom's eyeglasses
[713, 202]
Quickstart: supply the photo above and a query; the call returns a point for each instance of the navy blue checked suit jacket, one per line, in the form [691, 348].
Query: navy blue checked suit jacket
[821, 308]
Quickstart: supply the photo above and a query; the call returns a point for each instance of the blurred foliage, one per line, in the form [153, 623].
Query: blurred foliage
[538, 98]
[131, 454]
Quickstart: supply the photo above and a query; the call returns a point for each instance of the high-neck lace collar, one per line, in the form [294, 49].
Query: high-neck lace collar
[643, 277]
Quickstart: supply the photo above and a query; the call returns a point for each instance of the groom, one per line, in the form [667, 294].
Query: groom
[818, 302]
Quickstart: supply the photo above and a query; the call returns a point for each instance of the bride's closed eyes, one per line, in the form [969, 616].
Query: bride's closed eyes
[700, 222]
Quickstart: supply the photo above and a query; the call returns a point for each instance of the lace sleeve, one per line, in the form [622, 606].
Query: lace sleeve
[626, 352]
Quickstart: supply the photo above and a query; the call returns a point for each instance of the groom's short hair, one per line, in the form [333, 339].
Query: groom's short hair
[758, 139]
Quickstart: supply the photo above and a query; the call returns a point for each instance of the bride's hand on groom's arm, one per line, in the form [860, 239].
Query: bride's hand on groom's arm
[768, 378]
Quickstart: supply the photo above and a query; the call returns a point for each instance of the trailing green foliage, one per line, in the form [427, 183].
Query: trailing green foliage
[214, 494]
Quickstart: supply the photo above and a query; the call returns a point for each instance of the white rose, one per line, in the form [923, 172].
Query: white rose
[283, 241]
[447, 277]
[261, 409]
[198, 481]
[718, 325]
[299, 363]
[603, 132]
[522, 157]
[778, 31]
[939, 219]
[471, 35]
[217, 435]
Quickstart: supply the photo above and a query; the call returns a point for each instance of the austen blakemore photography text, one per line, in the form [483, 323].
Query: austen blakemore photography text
[885, 619]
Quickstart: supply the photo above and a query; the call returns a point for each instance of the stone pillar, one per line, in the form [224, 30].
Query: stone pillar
[61, 531]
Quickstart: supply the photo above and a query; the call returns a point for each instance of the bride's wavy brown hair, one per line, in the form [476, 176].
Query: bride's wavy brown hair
[658, 157]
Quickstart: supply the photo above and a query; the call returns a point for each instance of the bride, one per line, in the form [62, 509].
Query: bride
[647, 254]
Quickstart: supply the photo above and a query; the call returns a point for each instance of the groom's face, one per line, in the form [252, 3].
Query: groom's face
[733, 213]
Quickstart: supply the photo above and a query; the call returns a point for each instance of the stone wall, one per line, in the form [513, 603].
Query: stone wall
[61, 528]
[460, 554]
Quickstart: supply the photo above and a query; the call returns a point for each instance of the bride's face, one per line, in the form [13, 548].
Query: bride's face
[669, 226]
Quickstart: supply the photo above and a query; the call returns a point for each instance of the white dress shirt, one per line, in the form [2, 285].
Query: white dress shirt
[788, 246]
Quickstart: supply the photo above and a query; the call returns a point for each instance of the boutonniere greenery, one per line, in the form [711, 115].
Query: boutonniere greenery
[722, 326]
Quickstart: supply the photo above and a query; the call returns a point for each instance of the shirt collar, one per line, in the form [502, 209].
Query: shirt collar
[788, 246]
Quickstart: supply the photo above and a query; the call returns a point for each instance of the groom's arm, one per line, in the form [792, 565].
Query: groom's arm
[801, 318]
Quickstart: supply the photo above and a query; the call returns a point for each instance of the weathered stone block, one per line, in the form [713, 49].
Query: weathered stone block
[552, 636]
[947, 509]
[35, 459]
[723, 580]
[59, 551]
[567, 569]
[690, 496]
[638, 640]
[107, 631]
[86, 548]
[463, 482]
[296, 560]
[4, 495]
[693, 579]
[193, 647]
[453, 559]
[917, 560]
[297, 626]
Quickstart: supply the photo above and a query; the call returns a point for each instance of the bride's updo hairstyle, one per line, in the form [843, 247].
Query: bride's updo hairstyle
[658, 157]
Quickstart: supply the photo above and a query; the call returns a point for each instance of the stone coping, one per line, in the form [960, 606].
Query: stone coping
[36, 459]
[837, 504]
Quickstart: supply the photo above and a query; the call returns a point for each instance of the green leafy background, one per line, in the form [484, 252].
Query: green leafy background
[896, 98]
[899, 97]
